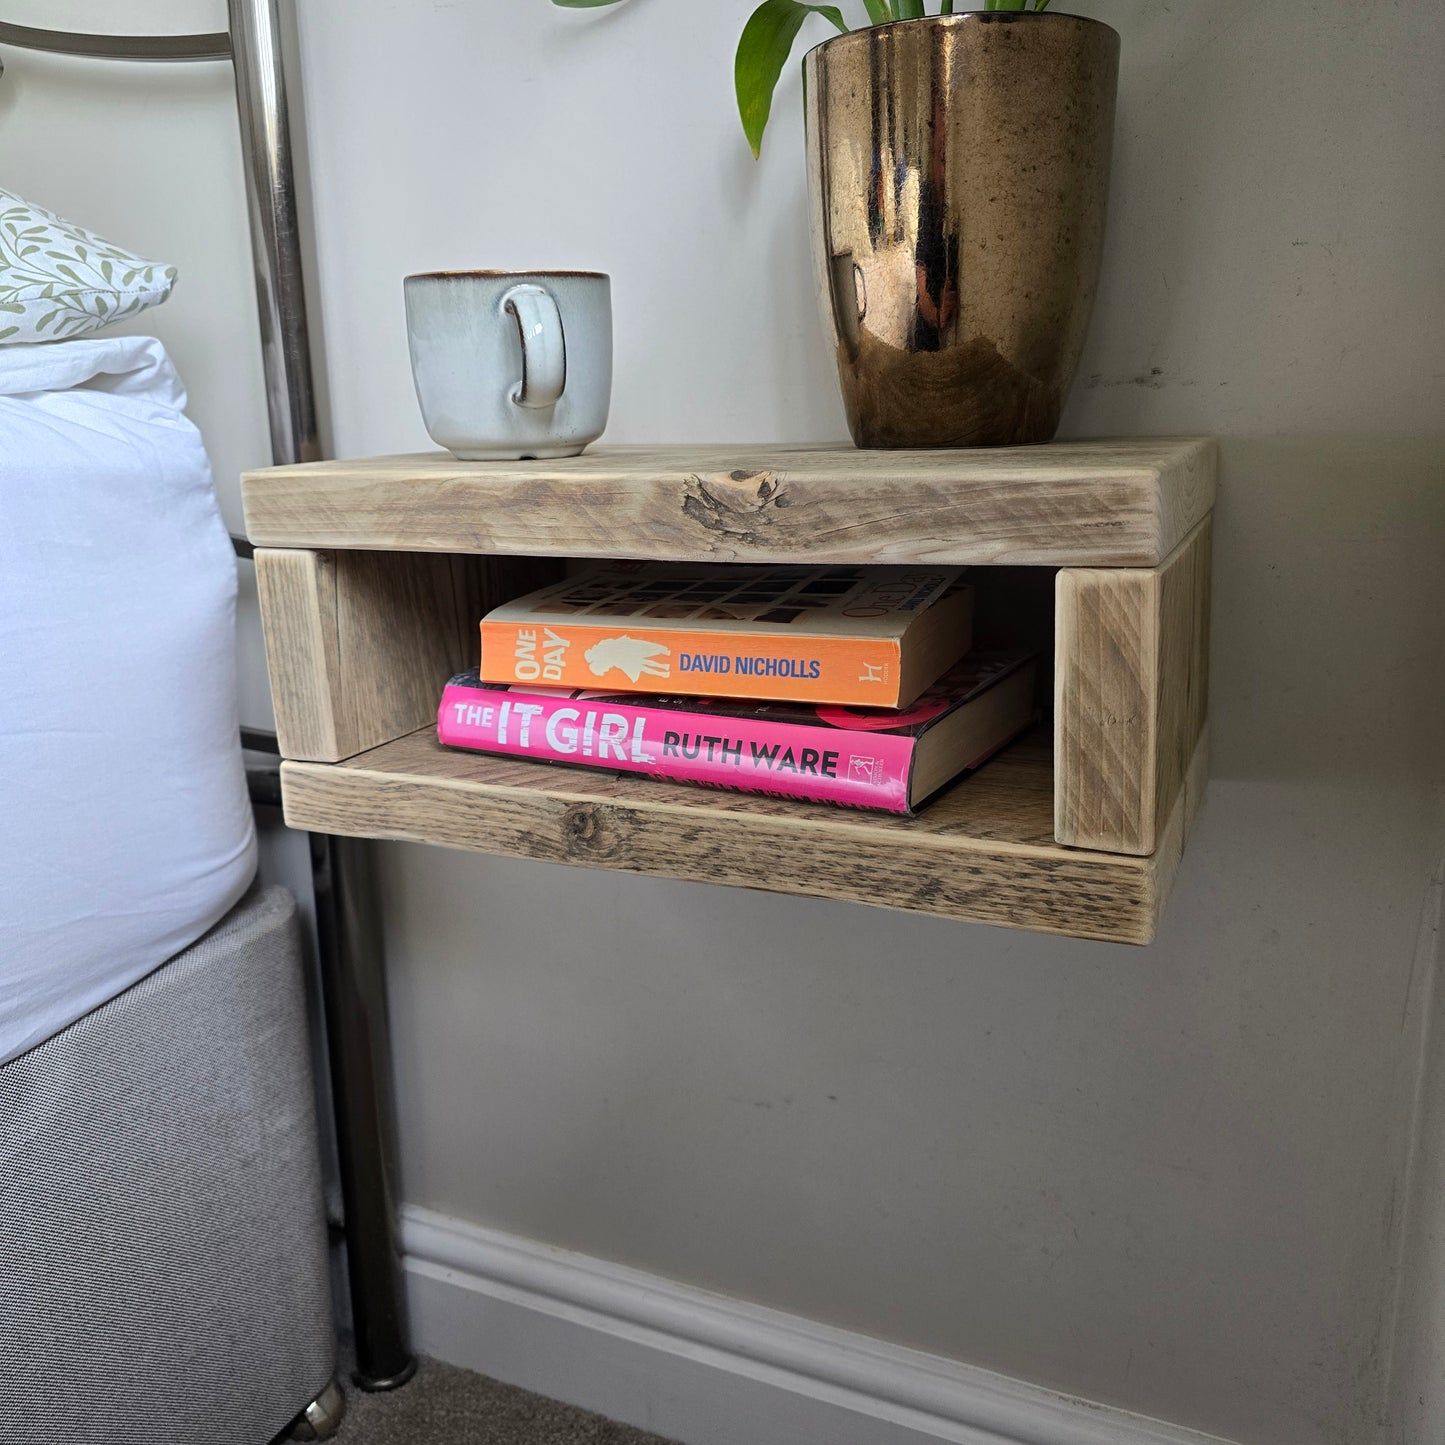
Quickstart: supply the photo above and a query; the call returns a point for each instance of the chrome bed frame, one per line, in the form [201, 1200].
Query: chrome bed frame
[348, 927]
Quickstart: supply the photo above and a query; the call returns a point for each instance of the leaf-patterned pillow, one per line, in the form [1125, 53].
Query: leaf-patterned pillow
[57, 280]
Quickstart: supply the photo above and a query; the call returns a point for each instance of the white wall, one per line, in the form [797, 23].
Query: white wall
[1172, 1178]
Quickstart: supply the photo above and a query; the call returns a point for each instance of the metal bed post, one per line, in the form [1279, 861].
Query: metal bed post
[348, 925]
[347, 922]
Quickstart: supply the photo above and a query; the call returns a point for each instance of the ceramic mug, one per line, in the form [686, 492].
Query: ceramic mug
[511, 364]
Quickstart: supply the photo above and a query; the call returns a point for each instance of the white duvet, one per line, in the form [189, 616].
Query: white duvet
[125, 830]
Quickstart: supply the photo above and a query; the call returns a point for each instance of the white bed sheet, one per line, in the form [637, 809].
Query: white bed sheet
[125, 828]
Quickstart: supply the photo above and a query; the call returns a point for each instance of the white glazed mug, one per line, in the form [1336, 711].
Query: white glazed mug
[511, 364]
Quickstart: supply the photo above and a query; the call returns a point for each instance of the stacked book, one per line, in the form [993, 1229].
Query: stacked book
[843, 685]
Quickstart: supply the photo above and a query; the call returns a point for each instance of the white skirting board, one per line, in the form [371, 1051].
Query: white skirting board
[705, 1370]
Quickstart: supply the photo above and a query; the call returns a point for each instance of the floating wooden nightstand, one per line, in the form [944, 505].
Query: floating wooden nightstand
[373, 575]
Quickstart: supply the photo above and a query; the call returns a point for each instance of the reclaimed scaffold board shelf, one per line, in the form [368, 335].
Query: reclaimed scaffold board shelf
[373, 574]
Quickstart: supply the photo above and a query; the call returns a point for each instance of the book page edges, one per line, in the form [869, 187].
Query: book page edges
[936, 640]
[971, 734]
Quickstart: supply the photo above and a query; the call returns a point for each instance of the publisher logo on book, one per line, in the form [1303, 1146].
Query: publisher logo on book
[866, 770]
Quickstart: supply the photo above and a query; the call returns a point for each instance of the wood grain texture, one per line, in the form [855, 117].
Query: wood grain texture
[1131, 681]
[359, 644]
[983, 852]
[1174, 834]
[297, 592]
[1099, 503]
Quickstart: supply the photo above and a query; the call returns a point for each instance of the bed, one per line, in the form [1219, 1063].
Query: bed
[129, 828]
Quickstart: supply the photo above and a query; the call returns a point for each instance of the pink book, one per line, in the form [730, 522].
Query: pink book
[858, 757]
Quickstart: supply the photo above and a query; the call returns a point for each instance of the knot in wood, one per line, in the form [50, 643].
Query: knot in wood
[738, 506]
[584, 829]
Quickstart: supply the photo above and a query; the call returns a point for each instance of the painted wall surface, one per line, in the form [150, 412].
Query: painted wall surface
[1172, 1178]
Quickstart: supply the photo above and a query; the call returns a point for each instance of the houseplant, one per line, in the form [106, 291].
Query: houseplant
[958, 168]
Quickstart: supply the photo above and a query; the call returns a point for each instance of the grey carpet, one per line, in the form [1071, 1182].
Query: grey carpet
[443, 1405]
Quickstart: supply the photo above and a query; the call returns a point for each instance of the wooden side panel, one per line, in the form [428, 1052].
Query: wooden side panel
[298, 616]
[1130, 695]
[360, 644]
[1174, 833]
[1183, 673]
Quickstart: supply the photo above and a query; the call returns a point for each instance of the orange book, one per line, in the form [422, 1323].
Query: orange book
[855, 636]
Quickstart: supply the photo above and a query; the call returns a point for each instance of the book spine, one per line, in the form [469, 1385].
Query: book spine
[848, 671]
[821, 764]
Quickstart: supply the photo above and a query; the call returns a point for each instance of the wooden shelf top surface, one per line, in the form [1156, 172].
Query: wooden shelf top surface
[983, 852]
[1119, 503]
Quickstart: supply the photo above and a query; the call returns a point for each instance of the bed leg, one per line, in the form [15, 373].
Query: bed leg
[354, 992]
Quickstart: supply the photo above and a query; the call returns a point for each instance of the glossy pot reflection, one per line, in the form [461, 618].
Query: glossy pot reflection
[958, 169]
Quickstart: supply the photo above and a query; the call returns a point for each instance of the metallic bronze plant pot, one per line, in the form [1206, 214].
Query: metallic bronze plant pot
[959, 167]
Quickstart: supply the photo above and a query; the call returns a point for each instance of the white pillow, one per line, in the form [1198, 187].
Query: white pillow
[58, 281]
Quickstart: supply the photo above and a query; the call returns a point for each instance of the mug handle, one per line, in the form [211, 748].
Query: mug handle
[544, 346]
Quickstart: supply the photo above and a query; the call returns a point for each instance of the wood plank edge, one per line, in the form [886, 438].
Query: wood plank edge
[1180, 448]
[1175, 837]
[1142, 556]
[314, 733]
[1156, 536]
[1070, 585]
[1173, 526]
[311, 801]
[848, 824]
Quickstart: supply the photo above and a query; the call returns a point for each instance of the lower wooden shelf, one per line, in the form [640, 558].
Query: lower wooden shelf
[985, 851]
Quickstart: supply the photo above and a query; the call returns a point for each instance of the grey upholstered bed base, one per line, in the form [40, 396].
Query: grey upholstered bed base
[163, 1262]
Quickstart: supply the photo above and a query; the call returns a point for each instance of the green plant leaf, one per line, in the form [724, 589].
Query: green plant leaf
[908, 9]
[878, 12]
[763, 50]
